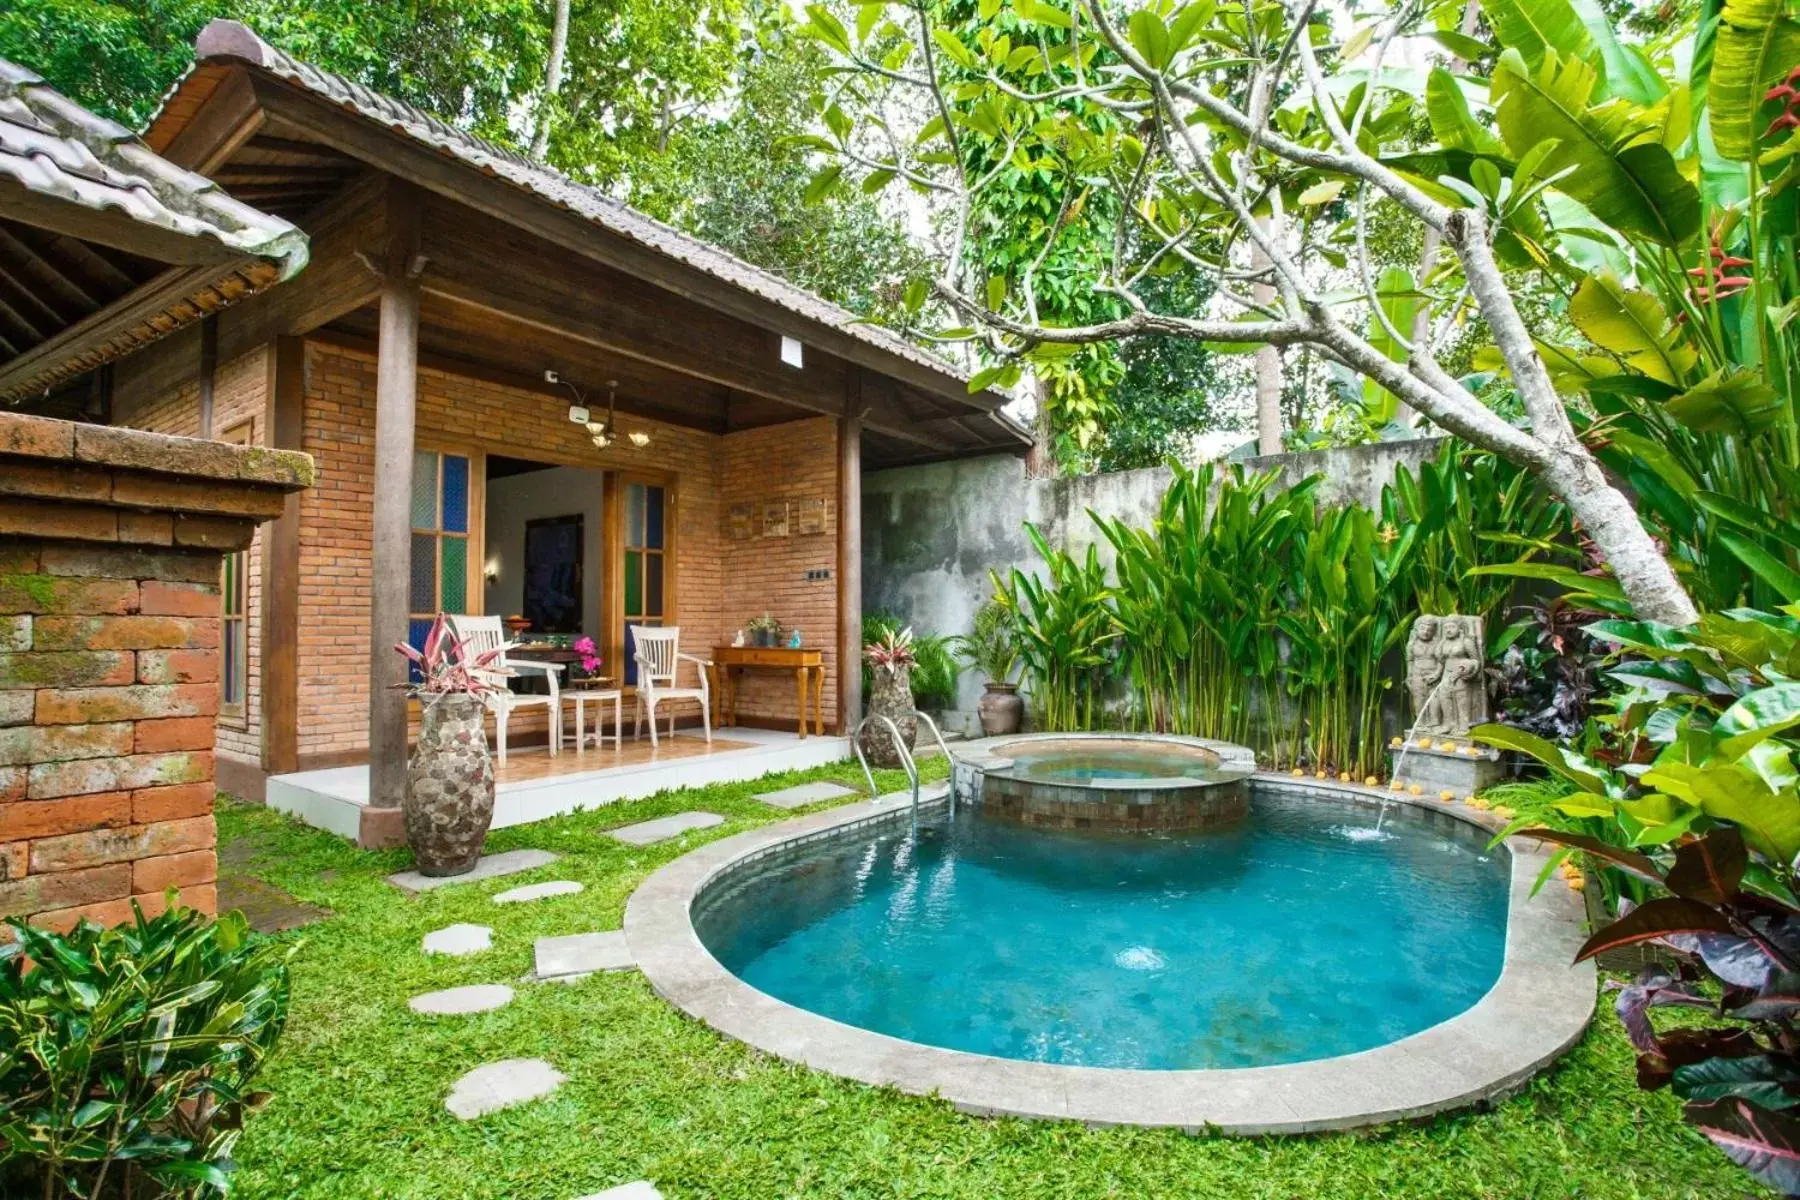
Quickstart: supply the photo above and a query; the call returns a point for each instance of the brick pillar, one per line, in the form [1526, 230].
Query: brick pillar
[111, 543]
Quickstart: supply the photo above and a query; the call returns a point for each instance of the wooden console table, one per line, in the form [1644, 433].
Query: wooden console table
[806, 662]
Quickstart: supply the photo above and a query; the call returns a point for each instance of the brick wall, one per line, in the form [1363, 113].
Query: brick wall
[110, 548]
[791, 463]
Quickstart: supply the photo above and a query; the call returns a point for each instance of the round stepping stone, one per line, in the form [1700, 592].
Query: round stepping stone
[640, 1189]
[501, 1085]
[481, 997]
[538, 891]
[458, 940]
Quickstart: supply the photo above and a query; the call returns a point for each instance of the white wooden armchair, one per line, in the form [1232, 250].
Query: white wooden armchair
[659, 657]
[479, 634]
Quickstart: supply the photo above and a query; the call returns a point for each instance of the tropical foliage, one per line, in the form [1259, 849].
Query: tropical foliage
[1256, 614]
[128, 1055]
[991, 647]
[930, 656]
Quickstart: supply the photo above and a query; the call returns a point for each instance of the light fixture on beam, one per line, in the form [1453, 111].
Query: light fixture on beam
[602, 433]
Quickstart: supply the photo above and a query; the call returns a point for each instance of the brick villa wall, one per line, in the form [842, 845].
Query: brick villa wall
[791, 463]
[110, 549]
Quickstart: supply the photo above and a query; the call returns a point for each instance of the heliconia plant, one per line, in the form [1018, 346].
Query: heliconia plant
[444, 666]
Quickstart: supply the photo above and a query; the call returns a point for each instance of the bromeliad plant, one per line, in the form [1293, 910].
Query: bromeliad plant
[128, 1055]
[441, 665]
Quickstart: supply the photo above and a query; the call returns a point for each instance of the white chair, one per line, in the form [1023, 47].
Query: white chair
[481, 634]
[659, 656]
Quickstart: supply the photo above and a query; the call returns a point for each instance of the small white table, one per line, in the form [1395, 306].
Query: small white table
[601, 696]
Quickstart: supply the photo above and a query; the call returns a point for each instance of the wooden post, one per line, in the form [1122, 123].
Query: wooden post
[849, 547]
[283, 429]
[209, 370]
[396, 395]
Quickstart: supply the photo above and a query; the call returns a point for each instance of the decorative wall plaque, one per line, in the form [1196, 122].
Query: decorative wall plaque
[740, 522]
[775, 518]
[810, 517]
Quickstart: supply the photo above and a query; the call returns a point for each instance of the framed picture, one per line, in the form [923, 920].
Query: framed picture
[810, 517]
[740, 522]
[775, 519]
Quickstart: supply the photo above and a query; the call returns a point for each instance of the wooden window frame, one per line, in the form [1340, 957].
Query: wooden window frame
[614, 597]
[234, 628]
[474, 538]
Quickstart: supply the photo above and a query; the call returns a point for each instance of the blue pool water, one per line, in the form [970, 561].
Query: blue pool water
[1300, 934]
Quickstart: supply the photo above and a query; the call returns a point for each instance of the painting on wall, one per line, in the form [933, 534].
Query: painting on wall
[775, 519]
[809, 518]
[740, 522]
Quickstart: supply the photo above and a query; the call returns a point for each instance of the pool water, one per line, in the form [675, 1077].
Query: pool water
[1060, 764]
[1302, 933]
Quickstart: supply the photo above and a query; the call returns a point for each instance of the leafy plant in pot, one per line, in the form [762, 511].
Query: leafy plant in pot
[891, 661]
[450, 778]
[764, 630]
[992, 648]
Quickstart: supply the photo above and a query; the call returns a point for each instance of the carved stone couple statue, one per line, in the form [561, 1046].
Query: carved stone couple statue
[1445, 657]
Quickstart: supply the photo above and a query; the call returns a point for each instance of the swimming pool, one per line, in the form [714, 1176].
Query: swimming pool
[1307, 930]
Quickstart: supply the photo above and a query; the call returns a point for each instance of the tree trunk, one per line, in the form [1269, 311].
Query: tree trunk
[1268, 360]
[1606, 516]
[553, 77]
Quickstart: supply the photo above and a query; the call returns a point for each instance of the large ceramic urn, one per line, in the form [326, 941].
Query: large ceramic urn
[890, 696]
[1000, 709]
[450, 785]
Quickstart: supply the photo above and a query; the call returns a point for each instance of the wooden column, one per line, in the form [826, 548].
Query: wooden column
[209, 370]
[396, 394]
[284, 398]
[849, 554]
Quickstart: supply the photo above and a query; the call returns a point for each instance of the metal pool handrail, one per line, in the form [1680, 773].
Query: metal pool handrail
[938, 735]
[906, 759]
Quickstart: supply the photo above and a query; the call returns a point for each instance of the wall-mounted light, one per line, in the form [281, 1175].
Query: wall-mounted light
[490, 570]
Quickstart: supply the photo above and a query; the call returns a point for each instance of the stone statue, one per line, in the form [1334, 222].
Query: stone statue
[1444, 675]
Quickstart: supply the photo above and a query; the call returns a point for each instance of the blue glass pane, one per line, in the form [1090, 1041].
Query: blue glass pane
[630, 655]
[653, 585]
[653, 518]
[456, 494]
[424, 489]
[415, 637]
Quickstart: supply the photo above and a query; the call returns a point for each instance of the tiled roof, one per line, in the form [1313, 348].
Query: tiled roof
[52, 146]
[223, 39]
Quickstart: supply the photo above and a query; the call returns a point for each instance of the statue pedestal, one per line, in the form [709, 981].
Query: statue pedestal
[1462, 770]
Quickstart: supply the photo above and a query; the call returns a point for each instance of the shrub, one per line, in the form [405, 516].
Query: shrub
[127, 1054]
[934, 666]
[992, 646]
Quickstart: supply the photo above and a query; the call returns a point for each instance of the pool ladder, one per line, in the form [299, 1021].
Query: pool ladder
[907, 762]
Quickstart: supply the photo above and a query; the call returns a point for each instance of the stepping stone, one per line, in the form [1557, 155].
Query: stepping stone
[641, 1189]
[458, 940]
[488, 866]
[645, 833]
[502, 1085]
[458, 1001]
[803, 794]
[582, 954]
[538, 891]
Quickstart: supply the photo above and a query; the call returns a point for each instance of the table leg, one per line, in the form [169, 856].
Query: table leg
[718, 697]
[818, 674]
[800, 684]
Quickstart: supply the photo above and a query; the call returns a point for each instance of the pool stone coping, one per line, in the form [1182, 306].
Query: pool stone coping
[1537, 1009]
[982, 755]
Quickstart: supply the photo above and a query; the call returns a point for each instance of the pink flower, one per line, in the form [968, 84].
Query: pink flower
[590, 654]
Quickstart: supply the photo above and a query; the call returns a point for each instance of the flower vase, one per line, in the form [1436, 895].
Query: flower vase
[890, 697]
[1000, 709]
[450, 786]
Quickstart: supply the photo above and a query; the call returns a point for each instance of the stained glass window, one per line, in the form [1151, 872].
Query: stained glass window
[438, 581]
[645, 575]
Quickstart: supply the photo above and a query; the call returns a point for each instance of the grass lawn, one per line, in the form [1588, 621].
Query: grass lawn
[360, 1080]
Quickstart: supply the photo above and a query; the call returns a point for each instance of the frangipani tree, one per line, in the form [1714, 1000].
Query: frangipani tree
[1199, 127]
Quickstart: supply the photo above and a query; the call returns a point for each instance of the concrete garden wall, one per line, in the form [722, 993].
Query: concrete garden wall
[111, 543]
[931, 533]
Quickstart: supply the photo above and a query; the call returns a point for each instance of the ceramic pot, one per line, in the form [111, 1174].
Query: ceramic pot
[890, 697]
[1000, 709]
[450, 786]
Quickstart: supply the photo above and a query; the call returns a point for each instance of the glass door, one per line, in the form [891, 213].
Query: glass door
[439, 579]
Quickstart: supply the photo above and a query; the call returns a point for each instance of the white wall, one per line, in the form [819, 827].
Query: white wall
[516, 499]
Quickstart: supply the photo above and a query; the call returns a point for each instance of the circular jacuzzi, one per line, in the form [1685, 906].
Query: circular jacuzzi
[1335, 957]
[1120, 782]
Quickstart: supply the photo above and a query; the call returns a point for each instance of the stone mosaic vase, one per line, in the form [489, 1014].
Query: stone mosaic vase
[449, 786]
[890, 697]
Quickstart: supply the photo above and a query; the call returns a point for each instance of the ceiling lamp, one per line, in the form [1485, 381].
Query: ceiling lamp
[606, 433]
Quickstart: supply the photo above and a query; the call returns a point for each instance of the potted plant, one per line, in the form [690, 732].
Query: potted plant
[891, 662]
[992, 649]
[591, 660]
[450, 778]
[764, 630]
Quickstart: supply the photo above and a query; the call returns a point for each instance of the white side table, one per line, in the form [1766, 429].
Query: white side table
[600, 697]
